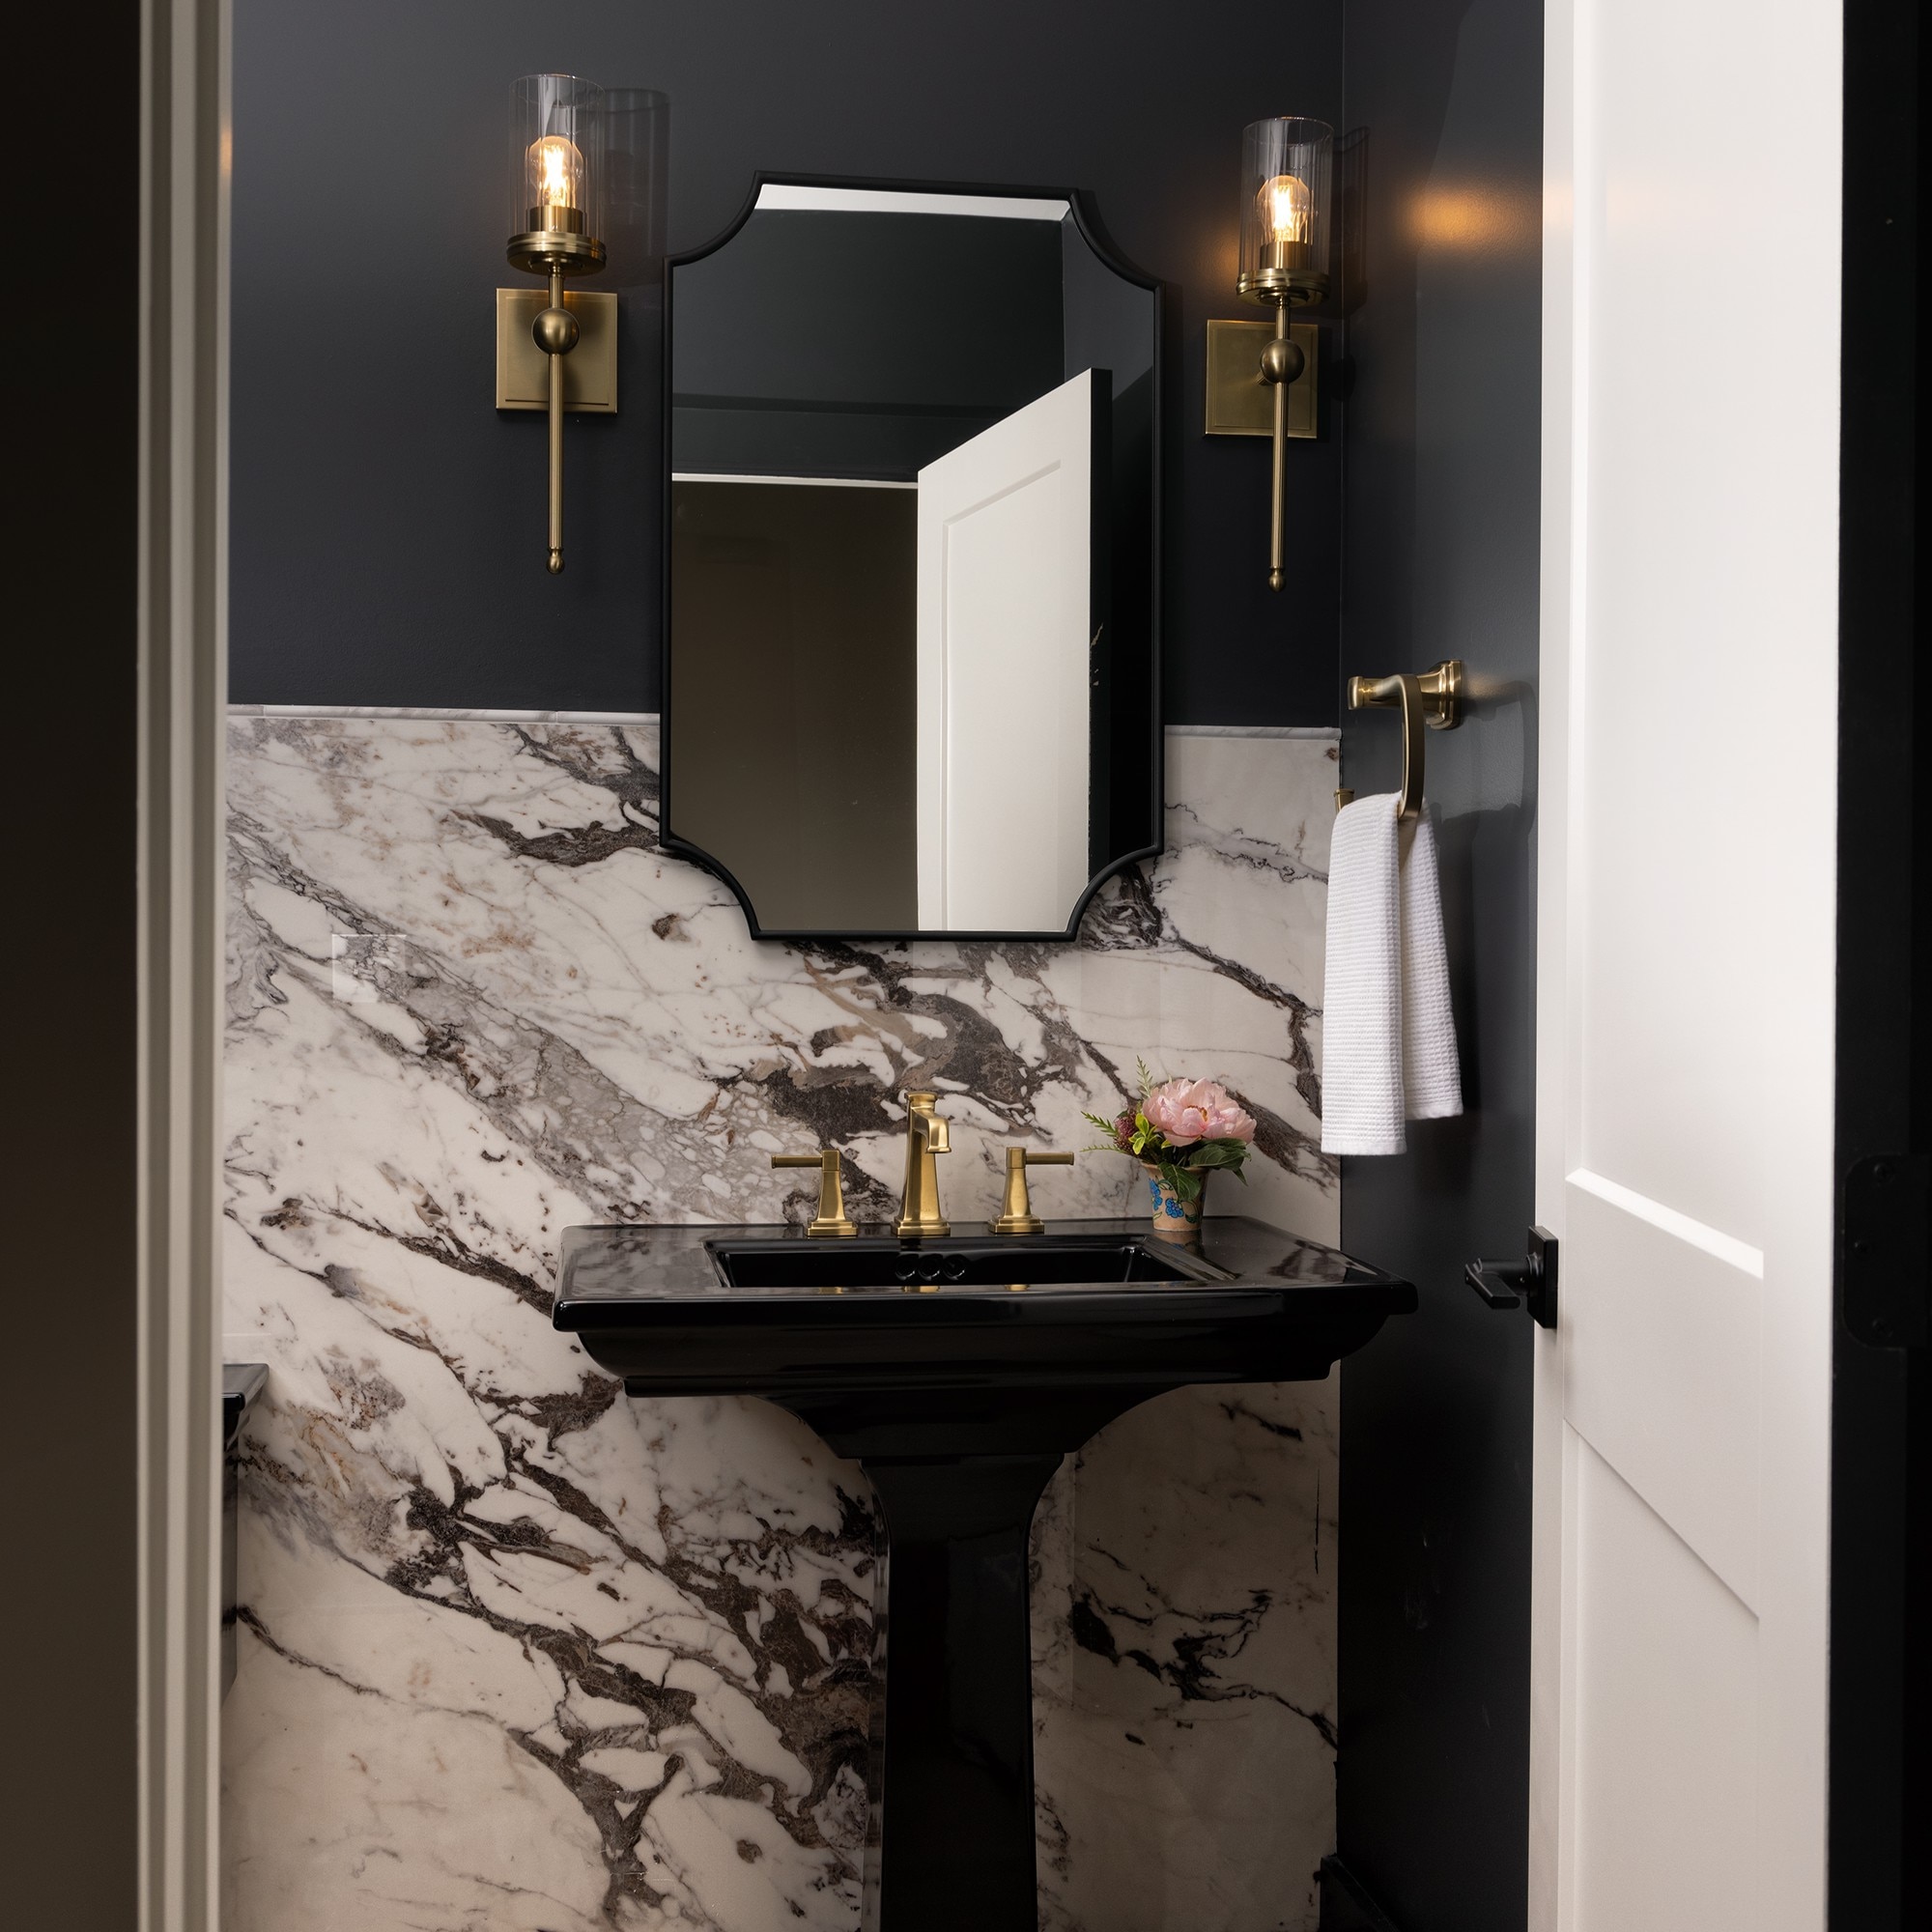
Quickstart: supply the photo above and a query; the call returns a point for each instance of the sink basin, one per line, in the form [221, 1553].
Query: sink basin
[1061, 1260]
[961, 1371]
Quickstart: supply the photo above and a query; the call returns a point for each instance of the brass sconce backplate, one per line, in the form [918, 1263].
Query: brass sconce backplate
[590, 370]
[1238, 401]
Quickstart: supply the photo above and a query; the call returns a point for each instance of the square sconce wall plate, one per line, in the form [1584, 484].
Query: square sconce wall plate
[590, 370]
[1238, 401]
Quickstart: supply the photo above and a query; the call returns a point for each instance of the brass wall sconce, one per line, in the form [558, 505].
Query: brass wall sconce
[556, 186]
[1260, 376]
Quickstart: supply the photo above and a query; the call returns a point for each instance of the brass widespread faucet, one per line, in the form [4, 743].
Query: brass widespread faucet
[927, 1135]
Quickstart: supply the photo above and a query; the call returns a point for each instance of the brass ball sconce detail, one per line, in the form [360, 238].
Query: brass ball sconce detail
[557, 182]
[1260, 376]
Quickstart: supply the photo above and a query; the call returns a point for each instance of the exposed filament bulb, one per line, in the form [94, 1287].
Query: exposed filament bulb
[1287, 209]
[556, 172]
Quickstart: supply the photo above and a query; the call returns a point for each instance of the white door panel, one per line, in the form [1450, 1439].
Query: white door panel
[979, 867]
[1666, 1665]
[1005, 599]
[1686, 919]
[1660, 1371]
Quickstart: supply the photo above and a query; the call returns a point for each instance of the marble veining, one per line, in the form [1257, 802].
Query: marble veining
[522, 1653]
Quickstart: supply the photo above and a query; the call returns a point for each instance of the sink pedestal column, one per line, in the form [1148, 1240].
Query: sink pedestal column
[950, 1841]
[957, 1847]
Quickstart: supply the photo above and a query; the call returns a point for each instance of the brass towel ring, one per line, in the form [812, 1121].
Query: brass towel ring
[1433, 699]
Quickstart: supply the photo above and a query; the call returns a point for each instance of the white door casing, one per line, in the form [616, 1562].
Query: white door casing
[1005, 598]
[1686, 922]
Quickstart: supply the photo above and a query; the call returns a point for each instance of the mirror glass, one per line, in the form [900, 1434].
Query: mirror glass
[910, 672]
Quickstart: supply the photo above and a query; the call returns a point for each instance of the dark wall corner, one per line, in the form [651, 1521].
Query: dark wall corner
[1443, 179]
[70, 1615]
[1880, 1768]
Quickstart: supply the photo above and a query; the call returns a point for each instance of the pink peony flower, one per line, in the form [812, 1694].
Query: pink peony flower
[1187, 1111]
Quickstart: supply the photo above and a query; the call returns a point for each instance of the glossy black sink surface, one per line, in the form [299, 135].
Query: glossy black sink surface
[1057, 1261]
[959, 1372]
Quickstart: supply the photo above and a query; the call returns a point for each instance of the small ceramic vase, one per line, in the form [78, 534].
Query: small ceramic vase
[1175, 1219]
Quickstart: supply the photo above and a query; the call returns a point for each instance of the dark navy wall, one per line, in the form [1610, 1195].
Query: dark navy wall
[388, 525]
[1440, 542]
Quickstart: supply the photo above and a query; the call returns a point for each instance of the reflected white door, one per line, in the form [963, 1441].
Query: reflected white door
[1686, 966]
[1006, 565]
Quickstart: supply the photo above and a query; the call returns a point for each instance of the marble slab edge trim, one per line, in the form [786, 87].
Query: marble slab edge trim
[457, 714]
[454, 714]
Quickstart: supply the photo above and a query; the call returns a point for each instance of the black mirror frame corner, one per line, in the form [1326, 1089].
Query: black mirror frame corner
[1086, 218]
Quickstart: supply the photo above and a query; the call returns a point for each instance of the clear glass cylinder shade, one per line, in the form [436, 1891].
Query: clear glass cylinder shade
[636, 172]
[1286, 176]
[558, 129]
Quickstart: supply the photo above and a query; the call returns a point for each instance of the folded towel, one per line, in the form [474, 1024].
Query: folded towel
[1361, 1002]
[1388, 1037]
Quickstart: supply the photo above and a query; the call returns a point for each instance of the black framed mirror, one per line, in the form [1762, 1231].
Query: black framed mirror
[911, 666]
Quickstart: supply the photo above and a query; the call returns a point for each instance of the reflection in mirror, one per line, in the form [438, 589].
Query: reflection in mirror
[911, 682]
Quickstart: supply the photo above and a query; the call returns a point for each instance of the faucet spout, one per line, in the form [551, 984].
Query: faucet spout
[927, 1135]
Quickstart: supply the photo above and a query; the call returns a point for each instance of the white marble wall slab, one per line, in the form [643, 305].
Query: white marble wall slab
[520, 1653]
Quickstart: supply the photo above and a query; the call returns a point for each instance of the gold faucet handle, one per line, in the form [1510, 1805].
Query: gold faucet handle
[831, 1219]
[1016, 1215]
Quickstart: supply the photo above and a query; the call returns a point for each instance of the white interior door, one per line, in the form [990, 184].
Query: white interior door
[1685, 964]
[1005, 598]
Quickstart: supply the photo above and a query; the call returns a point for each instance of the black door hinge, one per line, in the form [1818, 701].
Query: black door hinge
[1887, 1247]
[1530, 1282]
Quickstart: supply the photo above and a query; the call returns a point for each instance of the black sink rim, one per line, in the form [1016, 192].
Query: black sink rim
[645, 1305]
[638, 1301]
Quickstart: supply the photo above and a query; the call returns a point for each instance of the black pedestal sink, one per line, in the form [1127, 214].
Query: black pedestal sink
[959, 1372]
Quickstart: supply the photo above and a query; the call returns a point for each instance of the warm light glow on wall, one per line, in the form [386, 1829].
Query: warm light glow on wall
[1471, 219]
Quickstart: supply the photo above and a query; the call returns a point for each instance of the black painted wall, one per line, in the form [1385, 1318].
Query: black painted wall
[1440, 546]
[70, 1810]
[1880, 1771]
[388, 525]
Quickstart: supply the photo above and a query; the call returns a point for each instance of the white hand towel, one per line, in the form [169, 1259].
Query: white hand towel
[1361, 1001]
[1432, 1074]
[1388, 1035]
